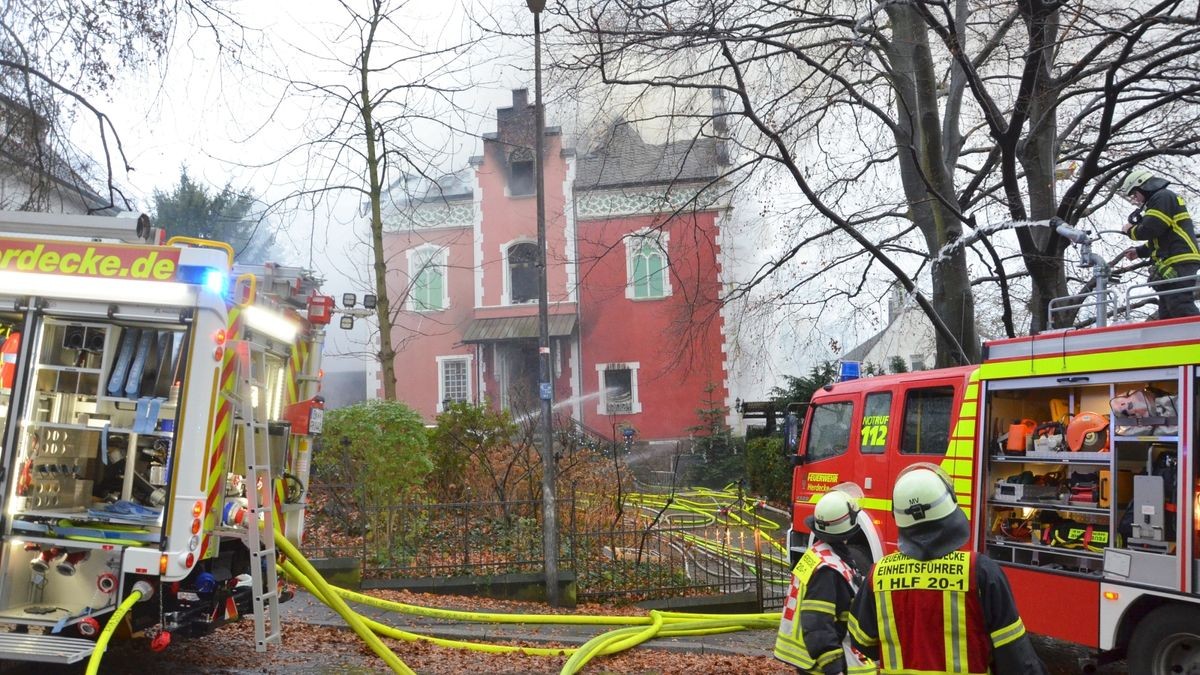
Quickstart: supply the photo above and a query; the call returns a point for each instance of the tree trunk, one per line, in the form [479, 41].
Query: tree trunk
[383, 314]
[928, 183]
[1038, 153]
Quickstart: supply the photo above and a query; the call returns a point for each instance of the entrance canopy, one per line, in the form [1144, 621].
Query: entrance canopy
[516, 328]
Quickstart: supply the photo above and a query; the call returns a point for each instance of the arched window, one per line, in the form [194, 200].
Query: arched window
[522, 273]
[648, 271]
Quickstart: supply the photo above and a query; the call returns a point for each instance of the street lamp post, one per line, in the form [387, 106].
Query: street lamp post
[545, 380]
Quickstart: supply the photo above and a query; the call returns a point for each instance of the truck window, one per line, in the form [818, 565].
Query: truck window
[875, 422]
[829, 434]
[927, 421]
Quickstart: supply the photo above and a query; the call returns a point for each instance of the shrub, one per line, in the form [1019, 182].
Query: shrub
[769, 472]
[381, 448]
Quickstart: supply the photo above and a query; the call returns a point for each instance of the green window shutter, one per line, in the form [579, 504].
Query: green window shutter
[657, 272]
[437, 282]
[427, 287]
[640, 286]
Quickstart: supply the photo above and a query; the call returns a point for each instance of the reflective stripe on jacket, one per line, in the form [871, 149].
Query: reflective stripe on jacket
[929, 616]
[790, 644]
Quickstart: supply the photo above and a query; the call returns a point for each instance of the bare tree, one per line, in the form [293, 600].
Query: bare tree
[919, 132]
[382, 104]
[59, 61]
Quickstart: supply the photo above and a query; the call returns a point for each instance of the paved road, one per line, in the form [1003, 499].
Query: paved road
[1061, 658]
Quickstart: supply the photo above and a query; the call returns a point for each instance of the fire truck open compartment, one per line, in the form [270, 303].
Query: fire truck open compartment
[92, 461]
[1062, 485]
[99, 424]
[51, 582]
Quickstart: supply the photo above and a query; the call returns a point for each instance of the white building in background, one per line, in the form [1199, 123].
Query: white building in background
[908, 336]
[37, 176]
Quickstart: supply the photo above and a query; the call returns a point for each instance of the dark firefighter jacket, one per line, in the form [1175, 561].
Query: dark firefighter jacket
[812, 630]
[1166, 228]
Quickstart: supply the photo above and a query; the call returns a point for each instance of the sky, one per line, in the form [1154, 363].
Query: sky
[233, 123]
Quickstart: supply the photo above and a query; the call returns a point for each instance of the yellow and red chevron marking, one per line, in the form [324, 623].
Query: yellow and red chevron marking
[959, 462]
[215, 481]
[295, 367]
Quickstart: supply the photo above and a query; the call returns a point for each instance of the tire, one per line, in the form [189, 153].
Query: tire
[1166, 641]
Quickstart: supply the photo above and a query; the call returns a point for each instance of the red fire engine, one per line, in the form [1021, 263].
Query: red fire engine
[158, 411]
[1072, 455]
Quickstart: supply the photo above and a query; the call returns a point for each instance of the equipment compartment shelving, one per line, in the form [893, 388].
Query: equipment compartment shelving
[78, 443]
[1038, 399]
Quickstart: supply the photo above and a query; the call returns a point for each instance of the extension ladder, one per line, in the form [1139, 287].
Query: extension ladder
[260, 490]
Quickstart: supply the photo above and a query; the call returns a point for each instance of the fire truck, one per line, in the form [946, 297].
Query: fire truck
[1072, 453]
[158, 410]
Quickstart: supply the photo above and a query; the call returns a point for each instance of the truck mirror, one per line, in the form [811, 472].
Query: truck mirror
[791, 433]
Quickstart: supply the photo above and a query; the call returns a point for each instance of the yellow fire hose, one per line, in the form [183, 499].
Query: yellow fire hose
[132, 599]
[643, 628]
[638, 629]
[338, 605]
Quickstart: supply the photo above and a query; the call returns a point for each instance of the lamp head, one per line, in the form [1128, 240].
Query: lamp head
[536, 6]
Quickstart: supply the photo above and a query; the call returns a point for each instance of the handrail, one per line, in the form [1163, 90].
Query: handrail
[1077, 301]
[203, 243]
[1154, 285]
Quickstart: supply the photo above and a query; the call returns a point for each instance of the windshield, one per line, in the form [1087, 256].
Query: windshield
[829, 431]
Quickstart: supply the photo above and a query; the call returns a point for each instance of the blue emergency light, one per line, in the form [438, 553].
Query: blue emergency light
[210, 278]
[849, 370]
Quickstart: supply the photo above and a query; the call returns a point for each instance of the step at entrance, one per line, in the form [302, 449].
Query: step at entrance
[44, 648]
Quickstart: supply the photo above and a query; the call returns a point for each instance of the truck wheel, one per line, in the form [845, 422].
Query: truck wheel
[1166, 641]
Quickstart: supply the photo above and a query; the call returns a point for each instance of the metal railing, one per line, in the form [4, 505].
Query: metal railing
[632, 559]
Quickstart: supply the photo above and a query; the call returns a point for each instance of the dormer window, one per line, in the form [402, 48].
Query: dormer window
[520, 172]
[522, 273]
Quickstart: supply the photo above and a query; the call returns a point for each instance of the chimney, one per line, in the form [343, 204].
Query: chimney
[720, 126]
[520, 99]
[895, 303]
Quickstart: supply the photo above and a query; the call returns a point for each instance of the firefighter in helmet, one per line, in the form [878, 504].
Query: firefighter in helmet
[931, 608]
[812, 631]
[1161, 222]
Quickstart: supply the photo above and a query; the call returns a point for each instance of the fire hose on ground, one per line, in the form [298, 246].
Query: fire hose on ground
[639, 628]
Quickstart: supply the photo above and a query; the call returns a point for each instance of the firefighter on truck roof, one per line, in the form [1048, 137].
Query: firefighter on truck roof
[931, 608]
[1162, 224]
[812, 632]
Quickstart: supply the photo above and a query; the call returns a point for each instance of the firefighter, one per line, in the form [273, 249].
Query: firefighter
[812, 631]
[931, 608]
[1161, 222]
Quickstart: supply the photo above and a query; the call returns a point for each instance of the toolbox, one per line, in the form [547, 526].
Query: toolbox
[1019, 492]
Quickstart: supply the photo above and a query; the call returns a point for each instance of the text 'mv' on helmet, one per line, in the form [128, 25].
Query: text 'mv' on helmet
[923, 493]
[835, 516]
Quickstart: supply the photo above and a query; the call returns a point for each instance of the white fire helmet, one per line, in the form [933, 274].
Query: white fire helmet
[835, 517]
[923, 493]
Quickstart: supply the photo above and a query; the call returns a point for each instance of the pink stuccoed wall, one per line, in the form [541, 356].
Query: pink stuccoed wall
[671, 379]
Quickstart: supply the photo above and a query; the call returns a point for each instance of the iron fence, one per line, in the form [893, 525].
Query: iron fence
[637, 557]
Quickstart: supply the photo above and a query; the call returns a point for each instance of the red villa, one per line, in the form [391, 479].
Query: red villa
[633, 276]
